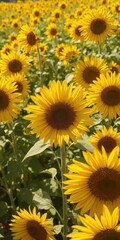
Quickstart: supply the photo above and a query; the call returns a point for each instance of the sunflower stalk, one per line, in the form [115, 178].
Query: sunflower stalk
[64, 198]
[40, 65]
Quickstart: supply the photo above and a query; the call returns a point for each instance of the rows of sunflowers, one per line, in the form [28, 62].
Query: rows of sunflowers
[60, 120]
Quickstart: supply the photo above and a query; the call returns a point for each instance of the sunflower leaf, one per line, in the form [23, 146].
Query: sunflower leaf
[42, 199]
[37, 148]
[58, 228]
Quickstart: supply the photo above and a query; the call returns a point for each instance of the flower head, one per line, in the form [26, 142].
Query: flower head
[31, 225]
[96, 182]
[59, 113]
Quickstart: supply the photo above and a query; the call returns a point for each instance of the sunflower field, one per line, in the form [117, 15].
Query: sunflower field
[60, 120]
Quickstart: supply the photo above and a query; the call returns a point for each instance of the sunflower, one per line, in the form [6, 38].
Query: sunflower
[105, 227]
[27, 37]
[13, 63]
[15, 45]
[104, 95]
[12, 37]
[36, 12]
[108, 138]
[89, 69]
[68, 25]
[31, 225]
[62, 5]
[96, 182]
[59, 49]
[97, 25]
[9, 100]
[56, 14]
[69, 54]
[21, 82]
[75, 30]
[6, 49]
[15, 24]
[43, 47]
[114, 67]
[59, 113]
[52, 30]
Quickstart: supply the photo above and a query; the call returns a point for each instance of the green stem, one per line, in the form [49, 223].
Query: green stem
[64, 198]
[40, 64]
[57, 213]
[8, 190]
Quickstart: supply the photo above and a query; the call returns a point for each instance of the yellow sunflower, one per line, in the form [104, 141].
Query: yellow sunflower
[59, 113]
[108, 138]
[89, 69]
[43, 47]
[104, 95]
[69, 54]
[114, 67]
[13, 63]
[27, 37]
[97, 25]
[12, 37]
[56, 14]
[31, 225]
[6, 49]
[75, 30]
[59, 49]
[16, 24]
[21, 82]
[94, 183]
[62, 5]
[52, 30]
[105, 227]
[9, 100]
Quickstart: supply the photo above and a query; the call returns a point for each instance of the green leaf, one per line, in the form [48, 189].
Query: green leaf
[13, 170]
[1, 236]
[25, 195]
[3, 208]
[69, 77]
[51, 171]
[38, 148]
[58, 228]
[84, 144]
[42, 199]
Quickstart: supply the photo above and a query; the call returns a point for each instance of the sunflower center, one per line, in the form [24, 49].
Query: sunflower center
[114, 69]
[90, 74]
[108, 234]
[37, 13]
[60, 116]
[61, 50]
[108, 143]
[117, 8]
[7, 50]
[31, 38]
[53, 31]
[4, 100]
[13, 38]
[77, 31]
[15, 25]
[98, 26]
[111, 95]
[105, 184]
[15, 66]
[36, 231]
[63, 6]
[19, 87]
[57, 15]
